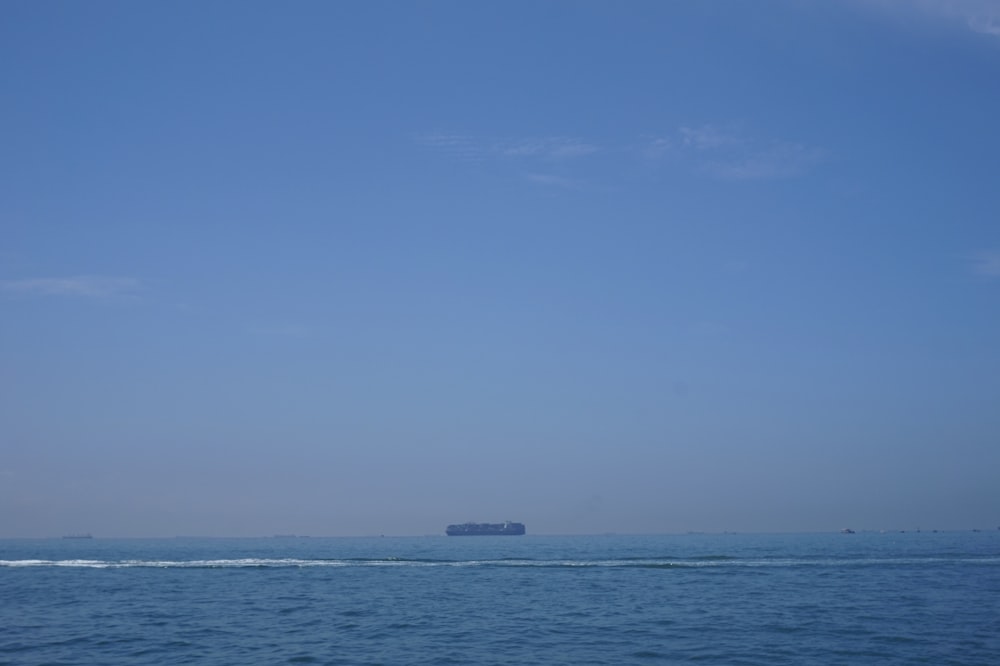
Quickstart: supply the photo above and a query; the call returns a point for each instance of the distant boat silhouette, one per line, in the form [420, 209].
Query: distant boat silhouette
[88, 535]
[486, 529]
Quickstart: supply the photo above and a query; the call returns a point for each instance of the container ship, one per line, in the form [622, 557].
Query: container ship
[486, 529]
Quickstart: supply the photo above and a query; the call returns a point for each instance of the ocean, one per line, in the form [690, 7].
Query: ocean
[866, 598]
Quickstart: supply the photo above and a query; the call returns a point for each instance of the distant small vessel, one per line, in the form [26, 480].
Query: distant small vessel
[847, 530]
[79, 536]
[506, 528]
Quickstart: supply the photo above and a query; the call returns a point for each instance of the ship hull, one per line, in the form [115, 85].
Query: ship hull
[486, 529]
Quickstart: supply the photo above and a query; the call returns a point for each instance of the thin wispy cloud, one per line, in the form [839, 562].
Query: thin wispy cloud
[778, 160]
[725, 152]
[457, 146]
[988, 25]
[987, 264]
[555, 148]
[84, 286]
[981, 16]
[729, 153]
[657, 147]
[708, 137]
[480, 148]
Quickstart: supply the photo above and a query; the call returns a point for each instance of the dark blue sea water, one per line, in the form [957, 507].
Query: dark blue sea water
[913, 598]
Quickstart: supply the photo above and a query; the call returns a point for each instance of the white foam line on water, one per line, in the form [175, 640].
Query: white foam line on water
[246, 563]
[190, 564]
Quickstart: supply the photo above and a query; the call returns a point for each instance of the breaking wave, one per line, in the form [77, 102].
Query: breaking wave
[635, 563]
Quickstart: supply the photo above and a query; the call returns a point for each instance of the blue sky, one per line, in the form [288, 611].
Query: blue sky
[372, 268]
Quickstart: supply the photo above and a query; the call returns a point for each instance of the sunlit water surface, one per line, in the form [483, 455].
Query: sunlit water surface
[910, 598]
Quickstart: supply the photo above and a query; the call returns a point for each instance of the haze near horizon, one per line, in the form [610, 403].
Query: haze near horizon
[373, 268]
